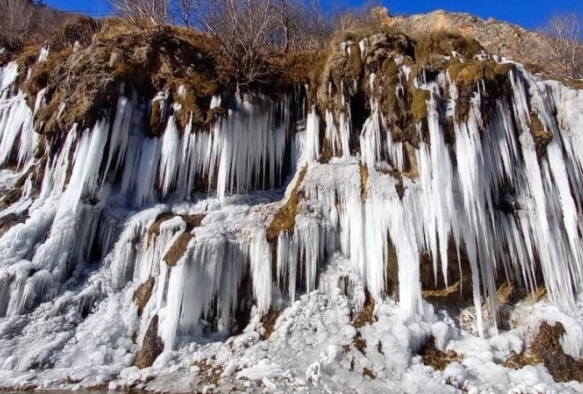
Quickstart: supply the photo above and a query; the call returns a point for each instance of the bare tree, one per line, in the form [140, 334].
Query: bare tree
[186, 10]
[16, 22]
[246, 30]
[370, 13]
[564, 44]
[250, 33]
[143, 13]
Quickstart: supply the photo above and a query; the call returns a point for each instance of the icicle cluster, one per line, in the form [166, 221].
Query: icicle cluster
[98, 195]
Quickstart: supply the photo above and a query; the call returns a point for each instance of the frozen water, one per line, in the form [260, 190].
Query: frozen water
[112, 207]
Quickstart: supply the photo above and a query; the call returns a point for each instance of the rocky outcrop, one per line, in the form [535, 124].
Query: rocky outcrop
[497, 37]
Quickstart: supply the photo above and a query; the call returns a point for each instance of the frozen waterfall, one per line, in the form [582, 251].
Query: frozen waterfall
[108, 209]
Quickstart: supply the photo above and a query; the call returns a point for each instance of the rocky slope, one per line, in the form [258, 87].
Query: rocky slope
[497, 37]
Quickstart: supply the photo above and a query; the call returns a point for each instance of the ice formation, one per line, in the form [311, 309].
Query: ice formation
[115, 208]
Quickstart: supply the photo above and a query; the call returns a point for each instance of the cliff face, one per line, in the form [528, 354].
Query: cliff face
[147, 219]
[498, 38]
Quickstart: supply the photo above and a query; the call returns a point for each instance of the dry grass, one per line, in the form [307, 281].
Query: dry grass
[198, 88]
[152, 346]
[154, 229]
[143, 294]
[443, 296]
[546, 349]
[10, 197]
[89, 80]
[466, 76]
[80, 29]
[430, 46]
[369, 373]
[178, 249]
[268, 321]
[363, 182]
[419, 104]
[192, 222]
[209, 371]
[285, 218]
[436, 358]
[542, 137]
[472, 72]
[539, 294]
[366, 316]
[359, 343]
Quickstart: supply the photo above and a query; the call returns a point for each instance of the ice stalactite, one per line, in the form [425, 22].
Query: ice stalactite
[16, 123]
[243, 151]
[457, 197]
[118, 208]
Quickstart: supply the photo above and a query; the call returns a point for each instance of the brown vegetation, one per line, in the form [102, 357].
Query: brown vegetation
[541, 136]
[178, 249]
[359, 342]
[209, 371]
[466, 75]
[546, 349]
[152, 346]
[419, 104]
[430, 48]
[436, 358]
[120, 54]
[268, 321]
[369, 373]
[366, 316]
[363, 182]
[143, 294]
[285, 218]
[154, 229]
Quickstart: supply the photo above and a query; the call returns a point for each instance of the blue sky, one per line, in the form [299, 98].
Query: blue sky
[529, 13]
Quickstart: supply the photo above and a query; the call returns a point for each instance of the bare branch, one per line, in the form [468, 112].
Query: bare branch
[143, 13]
[16, 21]
[564, 44]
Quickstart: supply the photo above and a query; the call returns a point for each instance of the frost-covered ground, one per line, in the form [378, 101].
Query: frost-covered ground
[312, 349]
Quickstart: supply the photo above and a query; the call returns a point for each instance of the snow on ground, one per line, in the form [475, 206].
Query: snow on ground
[312, 350]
